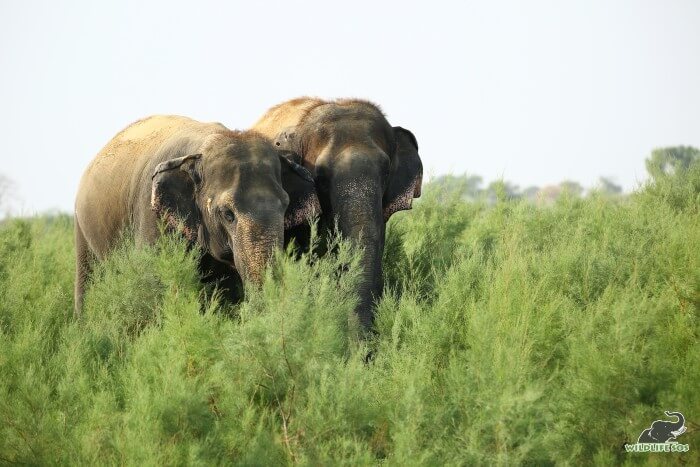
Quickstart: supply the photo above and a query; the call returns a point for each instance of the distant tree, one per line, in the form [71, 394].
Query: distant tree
[607, 186]
[465, 186]
[548, 195]
[571, 188]
[667, 161]
[473, 185]
[502, 190]
[530, 193]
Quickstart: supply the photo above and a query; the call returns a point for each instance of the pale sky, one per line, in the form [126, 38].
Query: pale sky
[532, 92]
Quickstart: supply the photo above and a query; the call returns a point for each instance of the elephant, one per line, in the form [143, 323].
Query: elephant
[663, 431]
[364, 170]
[226, 191]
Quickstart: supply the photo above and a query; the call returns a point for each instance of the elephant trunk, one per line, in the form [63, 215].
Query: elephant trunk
[360, 219]
[371, 282]
[677, 428]
[254, 244]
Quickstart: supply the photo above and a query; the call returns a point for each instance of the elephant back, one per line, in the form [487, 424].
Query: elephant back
[285, 115]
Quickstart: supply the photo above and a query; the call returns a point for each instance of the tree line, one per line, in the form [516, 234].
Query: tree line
[663, 162]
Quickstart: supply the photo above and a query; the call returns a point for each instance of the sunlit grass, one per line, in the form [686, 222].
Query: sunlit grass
[507, 334]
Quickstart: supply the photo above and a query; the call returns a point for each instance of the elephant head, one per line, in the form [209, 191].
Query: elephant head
[232, 198]
[365, 170]
[663, 431]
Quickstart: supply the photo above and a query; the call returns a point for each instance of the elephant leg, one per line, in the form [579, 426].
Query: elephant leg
[84, 260]
[222, 276]
[301, 237]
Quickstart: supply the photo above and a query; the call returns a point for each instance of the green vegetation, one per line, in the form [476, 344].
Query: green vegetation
[468, 188]
[509, 333]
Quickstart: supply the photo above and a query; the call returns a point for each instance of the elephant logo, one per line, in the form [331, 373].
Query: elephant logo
[661, 436]
[662, 431]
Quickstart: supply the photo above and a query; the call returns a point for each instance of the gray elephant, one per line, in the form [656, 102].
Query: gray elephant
[364, 169]
[664, 431]
[227, 191]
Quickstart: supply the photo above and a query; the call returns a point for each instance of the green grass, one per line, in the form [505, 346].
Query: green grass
[508, 334]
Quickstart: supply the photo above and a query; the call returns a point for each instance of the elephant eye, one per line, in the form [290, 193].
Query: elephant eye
[228, 215]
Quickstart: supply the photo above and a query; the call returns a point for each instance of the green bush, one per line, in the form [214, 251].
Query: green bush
[508, 334]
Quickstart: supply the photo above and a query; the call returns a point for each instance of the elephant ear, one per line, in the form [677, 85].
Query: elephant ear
[301, 189]
[173, 188]
[406, 175]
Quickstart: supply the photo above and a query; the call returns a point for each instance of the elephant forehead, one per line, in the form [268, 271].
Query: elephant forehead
[244, 158]
[251, 206]
[354, 161]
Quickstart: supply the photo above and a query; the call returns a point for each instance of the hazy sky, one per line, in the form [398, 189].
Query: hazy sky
[534, 92]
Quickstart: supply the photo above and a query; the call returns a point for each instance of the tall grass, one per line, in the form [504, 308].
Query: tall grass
[511, 334]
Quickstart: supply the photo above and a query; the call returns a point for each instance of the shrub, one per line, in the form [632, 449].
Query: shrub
[508, 334]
